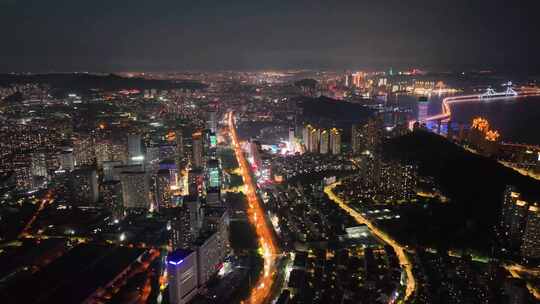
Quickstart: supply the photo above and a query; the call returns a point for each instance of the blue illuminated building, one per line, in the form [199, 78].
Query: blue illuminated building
[183, 275]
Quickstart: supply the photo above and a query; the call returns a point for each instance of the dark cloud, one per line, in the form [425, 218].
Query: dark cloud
[166, 35]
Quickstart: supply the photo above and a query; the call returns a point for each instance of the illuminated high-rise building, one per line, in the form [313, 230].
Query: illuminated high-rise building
[325, 141]
[348, 80]
[368, 137]
[111, 193]
[212, 249]
[195, 181]
[66, 160]
[213, 140]
[530, 247]
[305, 136]
[515, 214]
[187, 223]
[374, 135]
[152, 158]
[135, 149]
[180, 144]
[255, 155]
[23, 177]
[135, 190]
[182, 272]
[213, 197]
[292, 139]
[104, 151]
[422, 109]
[197, 156]
[39, 164]
[314, 140]
[162, 189]
[358, 79]
[190, 268]
[214, 174]
[335, 141]
[357, 139]
[84, 185]
[212, 121]
[83, 149]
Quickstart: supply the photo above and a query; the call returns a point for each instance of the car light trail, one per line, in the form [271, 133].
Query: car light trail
[261, 291]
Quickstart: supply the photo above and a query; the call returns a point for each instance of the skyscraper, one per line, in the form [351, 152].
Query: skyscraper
[212, 121]
[292, 140]
[306, 132]
[325, 141]
[515, 214]
[135, 190]
[335, 141]
[135, 149]
[357, 139]
[422, 109]
[374, 135]
[111, 193]
[104, 151]
[530, 247]
[83, 149]
[187, 223]
[182, 272]
[66, 159]
[314, 140]
[84, 185]
[180, 144]
[212, 249]
[368, 137]
[197, 156]
[109, 171]
[39, 164]
[162, 189]
[214, 174]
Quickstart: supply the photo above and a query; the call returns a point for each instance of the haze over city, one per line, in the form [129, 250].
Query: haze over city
[162, 35]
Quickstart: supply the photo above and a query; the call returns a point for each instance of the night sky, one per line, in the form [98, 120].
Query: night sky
[112, 35]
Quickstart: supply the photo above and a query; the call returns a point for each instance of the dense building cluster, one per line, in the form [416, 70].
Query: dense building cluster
[323, 141]
[446, 279]
[519, 227]
[143, 182]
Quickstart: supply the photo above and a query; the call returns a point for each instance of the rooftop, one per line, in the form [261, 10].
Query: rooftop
[176, 257]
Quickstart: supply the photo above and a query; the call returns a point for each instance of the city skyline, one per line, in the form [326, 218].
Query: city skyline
[257, 152]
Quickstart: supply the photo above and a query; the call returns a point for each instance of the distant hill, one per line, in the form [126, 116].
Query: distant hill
[474, 183]
[84, 82]
[463, 174]
[325, 110]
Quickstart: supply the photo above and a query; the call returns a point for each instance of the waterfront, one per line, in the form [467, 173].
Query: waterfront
[515, 119]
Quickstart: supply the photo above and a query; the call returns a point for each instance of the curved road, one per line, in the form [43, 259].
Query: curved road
[262, 290]
[398, 249]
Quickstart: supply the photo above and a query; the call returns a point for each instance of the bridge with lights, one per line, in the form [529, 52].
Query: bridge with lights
[489, 95]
